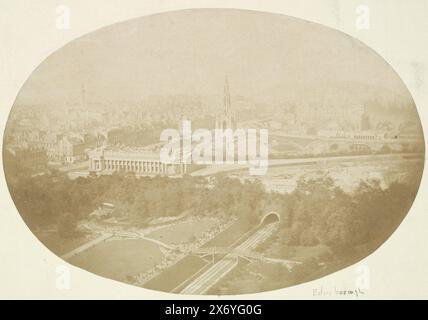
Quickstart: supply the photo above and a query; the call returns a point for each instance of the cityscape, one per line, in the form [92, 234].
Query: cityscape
[82, 154]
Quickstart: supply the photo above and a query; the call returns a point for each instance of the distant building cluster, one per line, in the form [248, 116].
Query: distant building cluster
[22, 159]
[125, 138]
[309, 120]
[59, 148]
[351, 122]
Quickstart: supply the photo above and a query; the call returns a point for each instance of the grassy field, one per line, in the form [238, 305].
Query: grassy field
[185, 231]
[172, 277]
[119, 259]
[230, 235]
[298, 253]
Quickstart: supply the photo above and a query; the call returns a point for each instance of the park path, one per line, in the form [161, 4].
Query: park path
[86, 246]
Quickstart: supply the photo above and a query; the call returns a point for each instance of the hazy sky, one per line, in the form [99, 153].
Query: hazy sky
[266, 56]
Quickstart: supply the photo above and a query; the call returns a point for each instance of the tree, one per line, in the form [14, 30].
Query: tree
[67, 225]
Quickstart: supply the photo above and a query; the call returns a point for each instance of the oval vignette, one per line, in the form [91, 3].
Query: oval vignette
[84, 163]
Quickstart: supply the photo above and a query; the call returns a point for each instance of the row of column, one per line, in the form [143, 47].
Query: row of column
[134, 166]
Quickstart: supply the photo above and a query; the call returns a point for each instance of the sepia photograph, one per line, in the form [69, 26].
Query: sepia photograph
[213, 151]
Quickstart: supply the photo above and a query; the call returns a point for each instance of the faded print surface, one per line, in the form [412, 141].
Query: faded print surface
[82, 152]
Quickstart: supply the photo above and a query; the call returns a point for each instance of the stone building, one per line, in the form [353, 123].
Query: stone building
[140, 163]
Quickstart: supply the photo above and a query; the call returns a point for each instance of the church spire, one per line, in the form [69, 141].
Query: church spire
[226, 119]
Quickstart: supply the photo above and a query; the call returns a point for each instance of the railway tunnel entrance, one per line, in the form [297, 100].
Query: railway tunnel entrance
[270, 217]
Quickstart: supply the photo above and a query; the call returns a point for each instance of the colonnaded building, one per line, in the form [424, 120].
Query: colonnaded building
[138, 162]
